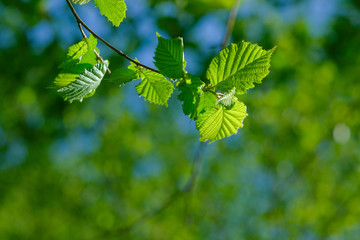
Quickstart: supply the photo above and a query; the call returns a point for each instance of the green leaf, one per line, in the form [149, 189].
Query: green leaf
[134, 67]
[80, 56]
[69, 75]
[154, 87]
[206, 102]
[64, 79]
[75, 52]
[121, 76]
[80, 2]
[219, 122]
[81, 52]
[90, 57]
[169, 57]
[189, 95]
[114, 10]
[239, 65]
[85, 84]
[228, 100]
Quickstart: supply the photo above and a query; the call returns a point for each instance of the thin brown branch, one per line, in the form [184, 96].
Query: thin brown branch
[82, 23]
[231, 23]
[96, 53]
[81, 30]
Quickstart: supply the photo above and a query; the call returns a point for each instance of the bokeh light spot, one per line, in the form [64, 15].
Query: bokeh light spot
[341, 133]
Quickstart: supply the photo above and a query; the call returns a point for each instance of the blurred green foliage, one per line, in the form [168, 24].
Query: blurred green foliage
[87, 170]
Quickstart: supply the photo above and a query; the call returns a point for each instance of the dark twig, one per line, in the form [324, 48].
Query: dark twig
[231, 23]
[81, 23]
[96, 53]
[82, 30]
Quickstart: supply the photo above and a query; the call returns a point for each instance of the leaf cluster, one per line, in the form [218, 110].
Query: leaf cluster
[211, 102]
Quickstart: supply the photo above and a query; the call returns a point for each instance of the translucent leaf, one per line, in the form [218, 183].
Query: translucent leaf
[80, 56]
[239, 65]
[77, 50]
[228, 99]
[219, 122]
[64, 79]
[189, 95]
[207, 101]
[90, 57]
[114, 10]
[154, 87]
[169, 57]
[134, 67]
[121, 76]
[80, 2]
[85, 84]
[81, 52]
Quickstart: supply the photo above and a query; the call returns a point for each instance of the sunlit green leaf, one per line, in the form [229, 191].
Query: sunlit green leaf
[239, 65]
[121, 76]
[90, 56]
[154, 87]
[169, 57]
[219, 122]
[114, 10]
[85, 84]
[80, 56]
[81, 52]
[207, 101]
[189, 95]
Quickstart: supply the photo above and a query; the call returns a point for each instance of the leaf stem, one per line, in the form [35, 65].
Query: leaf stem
[81, 30]
[82, 23]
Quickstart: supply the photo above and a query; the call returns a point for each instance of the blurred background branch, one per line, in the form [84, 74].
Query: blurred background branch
[196, 166]
[230, 23]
